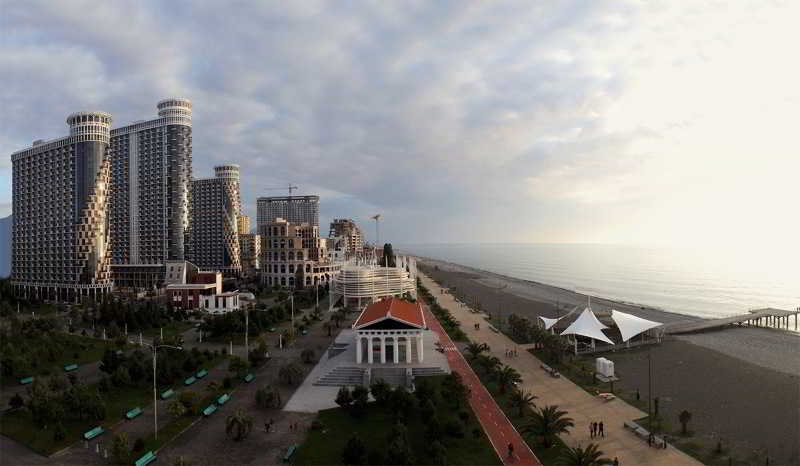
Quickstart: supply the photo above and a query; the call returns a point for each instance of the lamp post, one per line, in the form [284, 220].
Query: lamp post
[154, 349]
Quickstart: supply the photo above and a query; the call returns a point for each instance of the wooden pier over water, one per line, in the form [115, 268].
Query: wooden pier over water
[768, 317]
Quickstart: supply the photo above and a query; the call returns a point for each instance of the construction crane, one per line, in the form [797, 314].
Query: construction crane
[290, 188]
[377, 231]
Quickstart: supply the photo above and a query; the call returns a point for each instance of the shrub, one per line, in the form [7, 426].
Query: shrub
[454, 428]
[316, 424]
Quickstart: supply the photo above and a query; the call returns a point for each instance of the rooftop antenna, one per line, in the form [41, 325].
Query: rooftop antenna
[290, 188]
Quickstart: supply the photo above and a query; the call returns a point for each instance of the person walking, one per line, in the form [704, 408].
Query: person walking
[510, 450]
[602, 434]
[591, 430]
[594, 428]
[616, 461]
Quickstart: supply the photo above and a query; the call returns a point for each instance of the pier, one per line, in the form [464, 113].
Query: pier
[768, 317]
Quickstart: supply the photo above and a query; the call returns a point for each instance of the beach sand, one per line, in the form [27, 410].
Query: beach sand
[742, 384]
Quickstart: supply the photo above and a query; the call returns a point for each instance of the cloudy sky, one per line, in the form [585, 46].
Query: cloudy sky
[459, 121]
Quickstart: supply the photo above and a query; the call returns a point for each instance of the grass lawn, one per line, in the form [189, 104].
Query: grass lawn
[324, 447]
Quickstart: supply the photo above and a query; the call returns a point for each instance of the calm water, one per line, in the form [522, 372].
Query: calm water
[696, 282]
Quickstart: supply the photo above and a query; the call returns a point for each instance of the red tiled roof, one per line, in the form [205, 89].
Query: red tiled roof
[392, 308]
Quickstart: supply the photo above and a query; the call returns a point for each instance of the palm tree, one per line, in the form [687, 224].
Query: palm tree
[289, 373]
[521, 400]
[578, 456]
[238, 425]
[505, 376]
[475, 349]
[548, 422]
[488, 363]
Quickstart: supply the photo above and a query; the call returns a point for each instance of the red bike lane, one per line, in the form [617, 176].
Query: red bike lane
[498, 428]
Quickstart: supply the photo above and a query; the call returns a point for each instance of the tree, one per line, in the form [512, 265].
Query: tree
[506, 376]
[360, 398]
[238, 425]
[190, 400]
[398, 451]
[684, 417]
[289, 373]
[487, 363]
[521, 400]
[121, 377]
[547, 423]
[268, 397]
[355, 451]
[238, 366]
[380, 391]
[476, 349]
[120, 448]
[16, 401]
[454, 387]
[438, 453]
[401, 402]
[176, 409]
[578, 456]
[344, 398]
[307, 355]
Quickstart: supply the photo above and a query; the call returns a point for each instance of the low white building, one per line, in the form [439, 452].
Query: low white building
[220, 303]
[390, 331]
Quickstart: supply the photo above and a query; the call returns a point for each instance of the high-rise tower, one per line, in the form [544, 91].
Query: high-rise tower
[151, 173]
[60, 231]
[216, 204]
[295, 209]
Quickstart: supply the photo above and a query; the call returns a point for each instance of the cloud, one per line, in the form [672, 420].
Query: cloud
[437, 114]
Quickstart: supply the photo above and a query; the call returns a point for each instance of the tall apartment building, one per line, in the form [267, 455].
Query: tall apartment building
[151, 170]
[214, 235]
[60, 231]
[250, 247]
[294, 209]
[294, 255]
[350, 234]
[243, 224]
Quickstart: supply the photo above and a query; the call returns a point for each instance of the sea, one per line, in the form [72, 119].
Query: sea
[703, 282]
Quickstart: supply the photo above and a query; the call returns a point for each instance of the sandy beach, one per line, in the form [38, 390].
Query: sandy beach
[741, 384]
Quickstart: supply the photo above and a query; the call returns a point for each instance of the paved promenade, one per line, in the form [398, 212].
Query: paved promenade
[496, 425]
[583, 408]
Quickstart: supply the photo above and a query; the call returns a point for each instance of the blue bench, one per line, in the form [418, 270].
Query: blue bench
[209, 410]
[148, 458]
[202, 373]
[167, 394]
[289, 452]
[70, 367]
[26, 381]
[189, 381]
[249, 378]
[93, 433]
[133, 413]
[223, 399]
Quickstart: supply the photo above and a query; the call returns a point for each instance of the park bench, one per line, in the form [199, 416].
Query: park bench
[201, 373]
[550, 370]
[272, 330]
[167, 394]
[249, 378]
[289, 452]
[189, 381]
[148, 458]
[70, 367]
[209, 410]
[133, 413]
[223, 399]
[26, 381]
[93, 433]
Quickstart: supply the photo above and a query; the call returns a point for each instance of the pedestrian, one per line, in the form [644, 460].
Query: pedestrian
[266, 427]
[650, 440]
[515, 352]
[591, 430]
[602, 434]
[616, 461]
[510, 450]
[594, 428]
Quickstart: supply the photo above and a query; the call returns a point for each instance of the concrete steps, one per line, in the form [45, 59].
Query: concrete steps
[341, 377]
[427, 371]
[394, 376]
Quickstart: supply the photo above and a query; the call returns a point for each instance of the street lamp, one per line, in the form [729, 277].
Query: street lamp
[155, 399]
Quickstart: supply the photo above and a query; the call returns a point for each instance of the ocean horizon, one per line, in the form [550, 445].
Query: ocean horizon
[694, 281]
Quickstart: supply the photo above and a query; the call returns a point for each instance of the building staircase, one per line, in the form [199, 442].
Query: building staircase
[427, 371]
[342, 376]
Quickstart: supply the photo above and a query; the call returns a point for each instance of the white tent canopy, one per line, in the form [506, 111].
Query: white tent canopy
[548, 322]
[630, 325]
[587, 325]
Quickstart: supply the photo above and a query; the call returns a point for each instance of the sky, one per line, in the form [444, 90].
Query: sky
[630, 122]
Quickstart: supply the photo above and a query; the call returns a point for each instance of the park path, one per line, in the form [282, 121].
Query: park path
[582, 407]
[498, 428]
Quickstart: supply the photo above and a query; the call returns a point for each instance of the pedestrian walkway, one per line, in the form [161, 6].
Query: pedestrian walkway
[498, 428]
[582, 407]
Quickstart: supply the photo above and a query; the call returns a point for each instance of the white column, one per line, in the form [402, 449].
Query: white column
[383, 350]
[358, 349]
[396, 352]
[408, 349]
[420, 349]
[369, 350]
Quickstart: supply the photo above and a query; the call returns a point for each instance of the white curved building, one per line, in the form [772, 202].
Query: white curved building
[360, 284]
